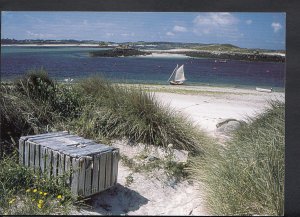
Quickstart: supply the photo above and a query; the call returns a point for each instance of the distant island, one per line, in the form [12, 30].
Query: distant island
[195, 50]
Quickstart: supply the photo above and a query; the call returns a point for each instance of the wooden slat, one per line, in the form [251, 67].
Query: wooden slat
[32, 154]
[102, 172]
[108, 170]
[88, 150]
[54, 163]
[95, 181]
[26, 154]
[75, 176]
[81, 177]
[68, 169]
[43, 135]
[37, 157]
[115, 162]
[48, 156]
[61, 167]
[42, 159]
[61, 164]
[88, 177]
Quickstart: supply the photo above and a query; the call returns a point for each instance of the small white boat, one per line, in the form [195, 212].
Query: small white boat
[177, 77]
[264, 90]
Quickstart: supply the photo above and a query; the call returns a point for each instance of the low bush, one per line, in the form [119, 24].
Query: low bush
[36, 85]
[34, 104]
[247, 177]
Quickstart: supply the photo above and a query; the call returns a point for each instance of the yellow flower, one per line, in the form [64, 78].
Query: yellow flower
[41, 192]
[59, 196]
[35, 190]
[11, 201]
[40, 205]
[28, 190]
[41, 201]
[45, 193]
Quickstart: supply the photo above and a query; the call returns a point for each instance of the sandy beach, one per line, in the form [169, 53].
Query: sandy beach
[206, 106]
[151, 193]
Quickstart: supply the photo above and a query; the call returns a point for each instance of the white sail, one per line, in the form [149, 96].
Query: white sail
[173, 73]
[179, 75]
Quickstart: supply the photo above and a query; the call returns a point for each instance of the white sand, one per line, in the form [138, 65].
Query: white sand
[164, 55]
[216, 103]
[172, 50]
[150, 194]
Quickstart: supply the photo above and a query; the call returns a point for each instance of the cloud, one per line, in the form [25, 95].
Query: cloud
[217, 25]
[127, 34]
[215, 19]
[39, 35]
[276, 26]
[248, 22]
[109, 34]
[170, 34]
[179, 29]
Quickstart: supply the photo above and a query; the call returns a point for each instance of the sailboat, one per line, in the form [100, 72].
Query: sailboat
[177, 77]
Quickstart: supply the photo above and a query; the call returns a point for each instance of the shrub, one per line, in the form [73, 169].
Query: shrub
[247, 177]
[68, 101]
[37, 85]
[22, 116]
[33, 104]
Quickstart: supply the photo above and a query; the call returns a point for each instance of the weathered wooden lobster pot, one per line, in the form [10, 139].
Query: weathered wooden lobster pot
[89, 167]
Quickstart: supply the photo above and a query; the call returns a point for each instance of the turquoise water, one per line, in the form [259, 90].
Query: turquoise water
[75, 62]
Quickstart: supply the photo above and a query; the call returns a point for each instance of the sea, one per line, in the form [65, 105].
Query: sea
[76, 63]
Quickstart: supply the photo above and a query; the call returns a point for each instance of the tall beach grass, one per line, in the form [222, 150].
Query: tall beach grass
[247, 177]
[117, 111]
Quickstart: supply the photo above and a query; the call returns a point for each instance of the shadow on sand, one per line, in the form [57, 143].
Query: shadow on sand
[117, 200]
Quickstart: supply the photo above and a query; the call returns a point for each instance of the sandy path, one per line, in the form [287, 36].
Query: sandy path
[147, 195]
[150, 194]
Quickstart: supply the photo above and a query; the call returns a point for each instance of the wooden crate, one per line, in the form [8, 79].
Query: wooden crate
[90, 167]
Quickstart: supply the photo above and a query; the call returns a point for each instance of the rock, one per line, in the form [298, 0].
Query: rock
[180, 155]
[228, 125]
[151, 158]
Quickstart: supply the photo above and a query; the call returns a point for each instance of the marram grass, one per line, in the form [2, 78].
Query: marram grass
[117, 111]
[247, 177]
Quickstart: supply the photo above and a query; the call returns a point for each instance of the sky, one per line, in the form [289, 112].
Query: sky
[247, 30]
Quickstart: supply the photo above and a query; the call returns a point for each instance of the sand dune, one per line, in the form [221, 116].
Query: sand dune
[149, 194]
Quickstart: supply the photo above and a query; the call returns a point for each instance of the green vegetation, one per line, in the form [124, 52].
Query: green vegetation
[117, 52]
[34, 103]
[244, 178]
[24, 192]
[116, 111]
[247, 177]
[94, 108]
[172, 169]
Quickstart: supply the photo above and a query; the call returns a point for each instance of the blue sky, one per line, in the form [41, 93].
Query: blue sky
[249, 30]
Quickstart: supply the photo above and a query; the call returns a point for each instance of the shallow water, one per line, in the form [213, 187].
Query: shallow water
[75, 62]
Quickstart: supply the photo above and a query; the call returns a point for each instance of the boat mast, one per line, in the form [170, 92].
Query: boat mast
[173, 72]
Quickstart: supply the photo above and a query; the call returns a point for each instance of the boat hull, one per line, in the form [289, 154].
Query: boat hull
[176, 82]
